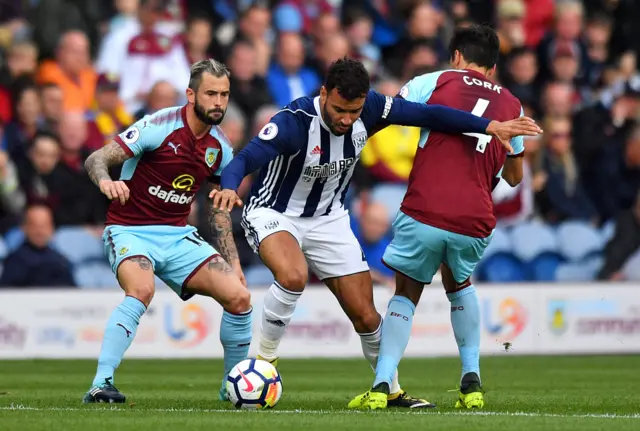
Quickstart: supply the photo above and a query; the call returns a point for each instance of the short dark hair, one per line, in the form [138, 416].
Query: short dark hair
[478, 44]
[349, 77]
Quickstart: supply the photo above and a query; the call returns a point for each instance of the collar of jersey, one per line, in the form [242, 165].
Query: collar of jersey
[316, 105]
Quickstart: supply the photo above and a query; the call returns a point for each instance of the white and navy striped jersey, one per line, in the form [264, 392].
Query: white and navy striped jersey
[305, 170]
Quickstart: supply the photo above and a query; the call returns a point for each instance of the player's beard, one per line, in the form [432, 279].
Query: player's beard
[205, 116]
[330, 123]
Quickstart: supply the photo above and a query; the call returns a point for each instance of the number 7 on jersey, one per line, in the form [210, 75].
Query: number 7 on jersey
[483, 140]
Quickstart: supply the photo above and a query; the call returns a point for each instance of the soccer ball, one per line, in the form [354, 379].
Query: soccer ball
[254, 384]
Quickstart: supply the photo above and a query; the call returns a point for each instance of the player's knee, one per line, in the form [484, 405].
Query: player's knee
[240, 303]
[366, 322]
[143, 292]
[294, 279]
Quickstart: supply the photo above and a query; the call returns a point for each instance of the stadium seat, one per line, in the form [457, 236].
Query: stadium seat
[607, 231]
[78, 245]
[533, 239]
[3, 250]
[13, 239]
[391, 195]
[95, 276]
[258, 276]
[500, 243]
[578, 240]
[501, 268]
[543, 267]
[631, 268]
[586, 270]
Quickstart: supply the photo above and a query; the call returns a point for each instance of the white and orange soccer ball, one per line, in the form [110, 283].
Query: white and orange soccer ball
[254, 384]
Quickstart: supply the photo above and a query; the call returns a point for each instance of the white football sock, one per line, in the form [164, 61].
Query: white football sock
[279, 305]
[371, 349]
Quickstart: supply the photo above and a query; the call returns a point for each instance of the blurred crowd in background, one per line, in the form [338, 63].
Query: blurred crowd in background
[74, 73]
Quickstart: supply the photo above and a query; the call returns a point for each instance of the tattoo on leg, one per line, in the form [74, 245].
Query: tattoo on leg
[143, 262]
[219, 264]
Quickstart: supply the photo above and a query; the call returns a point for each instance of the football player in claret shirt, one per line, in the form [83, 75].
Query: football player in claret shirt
[447, 214]
[166, 157]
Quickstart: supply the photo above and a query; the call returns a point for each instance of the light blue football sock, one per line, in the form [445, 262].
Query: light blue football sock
[465, 320]
[396, 330]
[235, 336]
[118, 335]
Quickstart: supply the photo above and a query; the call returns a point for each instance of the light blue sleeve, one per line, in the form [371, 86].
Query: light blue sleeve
[420, 88]
[143, 136]
[518, 142]
[227, 150]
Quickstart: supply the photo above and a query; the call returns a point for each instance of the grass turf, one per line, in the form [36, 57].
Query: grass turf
[523, 393]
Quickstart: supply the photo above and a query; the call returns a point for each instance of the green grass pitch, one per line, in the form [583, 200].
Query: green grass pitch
[523, 394]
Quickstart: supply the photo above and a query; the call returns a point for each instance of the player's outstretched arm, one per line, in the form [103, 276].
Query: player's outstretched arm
[444, 119]
[222, 230]
[97, 166]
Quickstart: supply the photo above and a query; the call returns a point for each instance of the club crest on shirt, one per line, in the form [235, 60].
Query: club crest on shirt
[211, 155]
[359, 139]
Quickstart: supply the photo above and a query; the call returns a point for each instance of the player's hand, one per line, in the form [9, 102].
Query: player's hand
[115, 190]
[504, 131]
[225, 200]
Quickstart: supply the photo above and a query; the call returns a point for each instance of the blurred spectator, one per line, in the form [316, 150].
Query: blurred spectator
[12, 198]
[253, 27]
[625, 242]
[390, 163]
[566, 36]
[423, 22]
[422, 59]
[309, 10]
[39, 178]
[71, 71]
[288, 19]
[52, 103]
[162, 95]
[52, 18]
[557, 99]
[235, 127]
[22, 59]
[520, 75]
[600, 138]
[24, 126]
[597, 36]
[538, 18]
[124, 27]
[328, 50]
[197, 40]
[35, 263]
[248, 89]
[563, 196]
[510, 26]
[288, 78]
[373, 232]
[151, 57]
[513, 205]
[359, 29]
[110, 116]
[81, 202]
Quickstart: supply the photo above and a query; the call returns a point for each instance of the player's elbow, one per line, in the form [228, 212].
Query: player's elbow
[512, 178]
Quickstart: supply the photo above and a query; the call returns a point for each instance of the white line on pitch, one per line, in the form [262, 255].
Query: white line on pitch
[323, 412]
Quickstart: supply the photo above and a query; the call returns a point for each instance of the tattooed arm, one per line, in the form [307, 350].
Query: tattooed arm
[99, 162]
[222, 230]
[97, 166]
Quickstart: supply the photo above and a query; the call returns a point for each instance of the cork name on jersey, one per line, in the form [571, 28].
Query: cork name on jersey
[327, 170]
[182, 183]
[480, 83]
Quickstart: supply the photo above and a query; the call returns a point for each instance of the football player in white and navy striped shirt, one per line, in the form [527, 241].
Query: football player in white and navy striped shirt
[295, 215]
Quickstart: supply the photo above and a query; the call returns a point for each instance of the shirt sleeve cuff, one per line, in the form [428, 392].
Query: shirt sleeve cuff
[124, 146]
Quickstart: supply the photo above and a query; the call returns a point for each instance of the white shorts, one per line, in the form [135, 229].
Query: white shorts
[328, 244]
